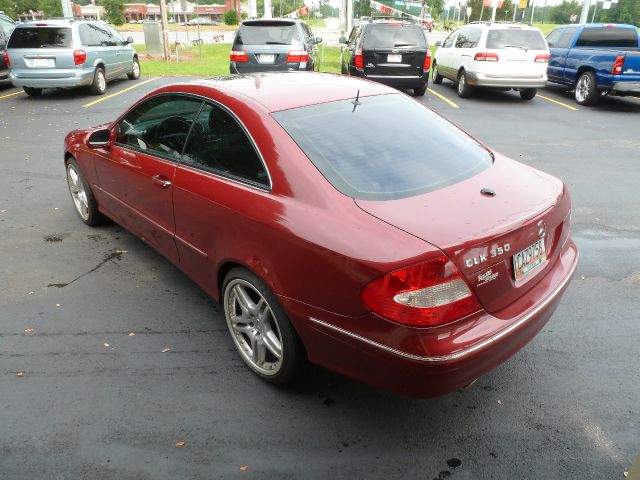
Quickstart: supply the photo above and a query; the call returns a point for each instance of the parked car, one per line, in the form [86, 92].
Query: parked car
[390, 51]
[305, 204]
[427, 22]
[595, 59]
[6, 28]
[274, 45]
[69, 53]
[486, 54]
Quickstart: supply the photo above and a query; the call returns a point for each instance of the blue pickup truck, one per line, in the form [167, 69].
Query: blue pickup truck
[595, 59]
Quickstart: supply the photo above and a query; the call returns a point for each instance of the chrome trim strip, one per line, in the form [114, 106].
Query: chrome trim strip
[191, 246]
[463, 353]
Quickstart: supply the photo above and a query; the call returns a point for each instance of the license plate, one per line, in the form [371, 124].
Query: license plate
[40, 62]
[266, 58]
[527, 260]
[392, 58]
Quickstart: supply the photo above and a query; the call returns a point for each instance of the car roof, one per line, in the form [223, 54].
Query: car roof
[272, 21]
[286, 90]
[501, 25]
[57, 22]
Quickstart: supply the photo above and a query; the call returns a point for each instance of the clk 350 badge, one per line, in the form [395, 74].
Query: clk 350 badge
[496, 252]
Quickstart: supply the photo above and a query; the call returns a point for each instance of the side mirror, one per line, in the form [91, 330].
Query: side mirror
[101, 138]
[438, 43]
[342, 40]
[318, 39]
[129, 40]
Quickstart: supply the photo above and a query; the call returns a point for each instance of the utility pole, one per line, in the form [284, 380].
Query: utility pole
[267, 9]
[593, 17]
[349, 16]
[164, 25]
[67, 11]
[584, 14]
[533, 9]
[494, 5]
[253, 9]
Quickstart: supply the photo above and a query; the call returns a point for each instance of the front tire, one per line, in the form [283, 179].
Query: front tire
[134, 74]
[586, 92]
[528, 93]
[464, 89]
[32, 92]
[435, 75]
[99, 85]
[260, 329]
[82, 196]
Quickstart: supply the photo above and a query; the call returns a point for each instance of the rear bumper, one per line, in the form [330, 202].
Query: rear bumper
[245, 67]
[82, 78]
[626, 87]
[436, 361]
[400, 81]
[479, 79]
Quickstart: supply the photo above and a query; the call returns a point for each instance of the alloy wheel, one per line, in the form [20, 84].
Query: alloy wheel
[78, 193]
[583, 88]
[254, 327]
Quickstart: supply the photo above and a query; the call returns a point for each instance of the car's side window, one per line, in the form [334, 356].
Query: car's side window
[219, 144]
[461, 41]
[160, 125]
[114, 33]
[89, 36]
[352, 37]
[567, 35]
[7, 27]
[449, 40]
[554, 37]
[468, 38]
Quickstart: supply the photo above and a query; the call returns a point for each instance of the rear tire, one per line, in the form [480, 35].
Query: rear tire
[32, 92]
[261, 328]
[99, 85]
[528, 93]
[134, 74]
[435, 76]
[586, 92]
[420, 91]
[464, 89]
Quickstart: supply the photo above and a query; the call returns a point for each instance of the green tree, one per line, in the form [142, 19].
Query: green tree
[51, 8]
[115, 11]
[230, 17]
[562, 13]
[8, 7]
[436, 7]
[625, 11]
[23, 6]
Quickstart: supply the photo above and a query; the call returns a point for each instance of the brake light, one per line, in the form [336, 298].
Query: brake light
[79, 57]
[297, 56]
[41, 25]
[358, 59]
[427, 294]
[238, 56]
[427, 61]
[6, 59]
[617, 65]
[542, 58]
[486, 57]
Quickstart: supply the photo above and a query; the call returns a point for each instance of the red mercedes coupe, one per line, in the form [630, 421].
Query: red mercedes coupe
[337, 221]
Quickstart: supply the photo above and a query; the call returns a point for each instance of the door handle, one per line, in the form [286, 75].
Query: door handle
[161, 181]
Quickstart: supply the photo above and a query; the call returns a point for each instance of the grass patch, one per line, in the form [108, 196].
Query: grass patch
[213, 62]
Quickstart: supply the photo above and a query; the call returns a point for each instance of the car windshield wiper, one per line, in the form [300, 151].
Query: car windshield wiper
[50, 45]
[405, 45]
[275, 43]
[515, 46]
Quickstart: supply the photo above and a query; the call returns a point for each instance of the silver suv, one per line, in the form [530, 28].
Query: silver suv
[69, 53]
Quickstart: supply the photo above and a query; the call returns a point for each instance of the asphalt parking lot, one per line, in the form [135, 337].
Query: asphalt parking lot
[122, 358]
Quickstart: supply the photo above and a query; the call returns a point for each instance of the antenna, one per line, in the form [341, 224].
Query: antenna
[356, 102]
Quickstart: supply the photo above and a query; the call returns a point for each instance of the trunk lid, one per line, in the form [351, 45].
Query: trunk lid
[481, 234]
[394, 62]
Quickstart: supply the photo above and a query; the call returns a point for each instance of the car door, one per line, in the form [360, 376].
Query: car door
[346, 55]
[135, 176]
[220, 184]
[124, 55]
[559, 52]
[444, 55]
[97, 44]
[112, 53]
[311, 47]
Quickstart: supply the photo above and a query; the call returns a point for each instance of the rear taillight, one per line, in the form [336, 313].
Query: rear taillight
[423, 295]
[6, 59]
[238, 56]
[358, 59]
[297, 56]
[618, 64]
[542, 58]
[486, 57]
[79, 57]
[427, 61]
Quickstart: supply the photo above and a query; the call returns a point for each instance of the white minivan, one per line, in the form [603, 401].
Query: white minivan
[491, 54]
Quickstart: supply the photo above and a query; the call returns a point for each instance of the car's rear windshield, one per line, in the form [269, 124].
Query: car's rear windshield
[40, 37]
[383, 147]
[267, 33]
[506, 38]
[608, 37]
[394, 36]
